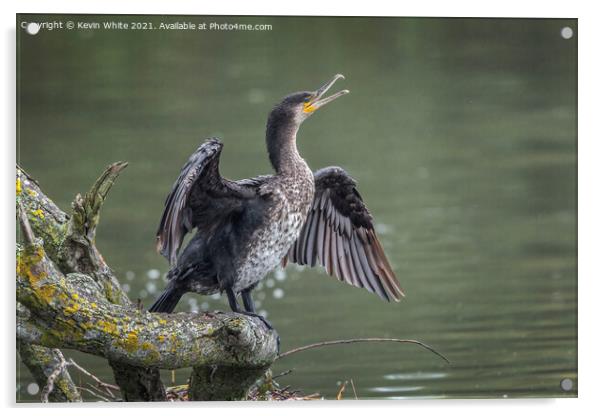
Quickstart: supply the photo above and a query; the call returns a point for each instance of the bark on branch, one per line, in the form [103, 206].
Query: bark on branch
[73, 300]
[42, 362]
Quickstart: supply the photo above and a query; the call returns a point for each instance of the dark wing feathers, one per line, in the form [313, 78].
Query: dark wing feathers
[199, 197]
[339, 235]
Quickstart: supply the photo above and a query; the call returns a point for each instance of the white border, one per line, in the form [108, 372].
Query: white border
[590, 187]
[312, 7]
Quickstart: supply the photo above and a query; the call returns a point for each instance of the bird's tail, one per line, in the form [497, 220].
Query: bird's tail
[167, 301]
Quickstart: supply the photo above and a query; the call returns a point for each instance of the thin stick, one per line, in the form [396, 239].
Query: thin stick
[353, 387]
[93, 393]
[355, 340]
[28, 235]
[60, 367]
[341, 390]
[284, 373]
[94, 387]
[108, 387]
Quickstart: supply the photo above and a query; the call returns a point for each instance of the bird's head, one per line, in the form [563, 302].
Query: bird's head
[298, 106]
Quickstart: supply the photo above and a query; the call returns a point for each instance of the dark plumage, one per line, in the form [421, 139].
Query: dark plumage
[339, 235]
[246, 228]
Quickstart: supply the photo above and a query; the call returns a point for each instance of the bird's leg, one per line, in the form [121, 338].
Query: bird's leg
[247, 300]
[232, 300]
[250, 308]
[249, 305]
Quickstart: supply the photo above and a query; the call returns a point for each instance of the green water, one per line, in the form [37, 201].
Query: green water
[460, 132]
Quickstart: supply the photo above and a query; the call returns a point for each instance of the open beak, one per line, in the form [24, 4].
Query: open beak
[317, 101]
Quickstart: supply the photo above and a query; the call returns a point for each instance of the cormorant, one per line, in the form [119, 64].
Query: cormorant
[246, 228]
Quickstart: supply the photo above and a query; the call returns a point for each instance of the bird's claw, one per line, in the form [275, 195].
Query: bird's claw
[267, 324]
[261, 318]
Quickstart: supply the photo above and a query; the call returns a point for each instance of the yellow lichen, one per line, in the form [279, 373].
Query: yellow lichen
[18, 186]
[30, 268]
[174, 341]
[147, 346]
[25, 262]
[94, 305]
[71, 309]
[131, 341]
[38, 213]
[108, 327]
[47, 292]
[31, 192]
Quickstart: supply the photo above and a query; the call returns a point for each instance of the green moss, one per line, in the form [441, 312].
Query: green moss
[51, 338]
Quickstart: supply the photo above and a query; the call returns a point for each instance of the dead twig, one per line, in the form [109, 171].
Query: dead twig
[341, 390]
[353, 387]
[95, 394]
[284, 373]
[356, 340]
[107, 386]
[60, 367]
[28, 235]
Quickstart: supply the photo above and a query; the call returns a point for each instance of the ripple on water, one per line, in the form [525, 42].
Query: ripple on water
[415, 376]
[395, 389]
[426, 397]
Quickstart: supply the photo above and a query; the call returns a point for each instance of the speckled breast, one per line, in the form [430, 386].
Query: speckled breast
[271, 243]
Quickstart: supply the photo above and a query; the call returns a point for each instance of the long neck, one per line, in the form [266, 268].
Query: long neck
[281, 139]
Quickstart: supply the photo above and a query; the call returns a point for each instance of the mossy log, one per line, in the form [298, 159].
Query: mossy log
[69, 298]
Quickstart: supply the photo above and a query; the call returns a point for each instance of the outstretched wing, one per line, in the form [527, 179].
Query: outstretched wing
[339, 235]
[200, 197]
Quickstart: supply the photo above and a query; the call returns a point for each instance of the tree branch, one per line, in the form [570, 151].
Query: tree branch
[74, 316]
[74, 301]
[69, 241]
